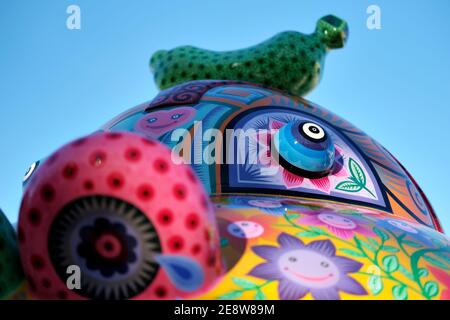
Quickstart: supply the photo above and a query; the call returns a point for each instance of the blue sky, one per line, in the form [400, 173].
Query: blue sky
[59, 84]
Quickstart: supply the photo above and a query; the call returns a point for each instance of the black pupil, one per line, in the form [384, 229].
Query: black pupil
[314, 129]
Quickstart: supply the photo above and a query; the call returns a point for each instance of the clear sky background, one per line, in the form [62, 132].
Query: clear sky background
[58, 84]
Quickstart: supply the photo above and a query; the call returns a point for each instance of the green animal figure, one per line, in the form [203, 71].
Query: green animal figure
[289, 61]
[11, 276]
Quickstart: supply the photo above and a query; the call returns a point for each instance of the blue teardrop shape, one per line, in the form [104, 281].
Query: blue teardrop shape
[185, 273]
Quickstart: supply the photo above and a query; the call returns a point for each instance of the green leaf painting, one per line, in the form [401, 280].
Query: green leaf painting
[236, 294]
[375, 284]
[431, 289]
[400, 292]
[390, 263]
[348, 186]
[357, 172]
[260, 295]
[357, 181]
[244, 283]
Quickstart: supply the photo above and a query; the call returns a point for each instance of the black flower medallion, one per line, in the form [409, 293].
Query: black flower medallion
[113, 243]
[107, 247]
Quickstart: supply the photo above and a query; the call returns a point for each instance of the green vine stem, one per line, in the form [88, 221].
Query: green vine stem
[386, 272]
[238, 292]
[399, 242]
[415, 257]
[414, 261]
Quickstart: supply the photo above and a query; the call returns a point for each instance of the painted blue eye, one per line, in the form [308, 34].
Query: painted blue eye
[177, 116]
[305, 149]
[30, 172]
[151, 120]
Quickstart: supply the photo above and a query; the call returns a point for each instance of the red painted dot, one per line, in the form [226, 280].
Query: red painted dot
[62, 295]
[211, 259]
[37, 262]
[192, 221]
[160, 292]
[70, 171]
[97, 158]
[113, 135]
[47, 193]
[165, 217]
[116, 180]
[108, 246]
[133, 154]
[145, 192]
[179, 191]
[34, 217]
[88, 185]
[46, 283]
[161, 165]
[196, 248]
[176, 243]
[149, 142]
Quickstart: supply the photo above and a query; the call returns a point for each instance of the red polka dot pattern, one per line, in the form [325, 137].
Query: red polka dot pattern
[136, 170]
[161, 165]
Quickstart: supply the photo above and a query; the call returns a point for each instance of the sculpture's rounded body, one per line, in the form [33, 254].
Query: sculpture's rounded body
[364, 230]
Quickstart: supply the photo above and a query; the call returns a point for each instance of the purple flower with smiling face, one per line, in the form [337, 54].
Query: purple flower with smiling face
[301, 268]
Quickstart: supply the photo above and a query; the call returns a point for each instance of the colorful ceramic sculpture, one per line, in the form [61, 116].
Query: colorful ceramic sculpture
[305, 204]
[290, 60]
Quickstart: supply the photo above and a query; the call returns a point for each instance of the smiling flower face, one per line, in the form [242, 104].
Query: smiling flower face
[341, 225]
[409, 229]
[267, 204]
[402, 226]
[159, 122]
[301, 268]
[245, 229]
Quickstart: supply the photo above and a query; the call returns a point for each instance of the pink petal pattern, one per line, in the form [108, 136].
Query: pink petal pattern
[264, 153]
[341, 233]
[341, 173]
[310, 221]
[291, 180]
[365, 231]
[275, 124]
[323, 184]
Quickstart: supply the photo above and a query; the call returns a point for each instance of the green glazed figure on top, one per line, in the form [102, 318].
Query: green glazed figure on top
[290, 61]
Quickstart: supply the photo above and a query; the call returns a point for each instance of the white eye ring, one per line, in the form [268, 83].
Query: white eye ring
[313, 130]
[30, 171]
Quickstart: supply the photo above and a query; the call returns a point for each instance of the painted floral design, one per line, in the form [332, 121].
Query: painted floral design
[383, 254]
[107, 247]
[291, 180]
[245, 229]
[341, 225]
[397, 264]
[301, 268]
[357, 179]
